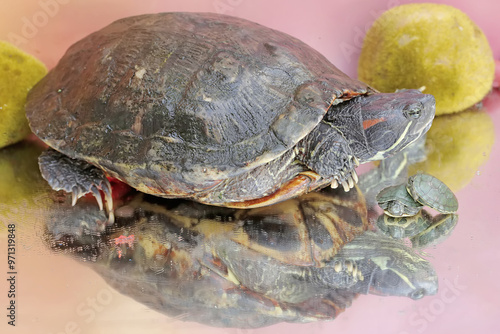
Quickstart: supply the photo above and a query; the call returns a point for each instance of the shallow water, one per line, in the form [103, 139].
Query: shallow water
[62, 290]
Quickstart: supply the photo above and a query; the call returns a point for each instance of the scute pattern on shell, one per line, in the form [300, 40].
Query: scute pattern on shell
[432, 192]
[204, 96]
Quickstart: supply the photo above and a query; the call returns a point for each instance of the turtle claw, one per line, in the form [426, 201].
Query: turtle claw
[97, 196]
[74, 196]
[347, 180]
[76, 177]
[345, 185]
[105, 186]
[347, 175]
[111, 218]
[354, 176]
[350, 181]
[349, 267]
[337, 266]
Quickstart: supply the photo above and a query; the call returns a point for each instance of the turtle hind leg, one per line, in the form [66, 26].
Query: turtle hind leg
[76, 177]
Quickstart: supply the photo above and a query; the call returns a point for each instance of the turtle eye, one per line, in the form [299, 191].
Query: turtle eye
[412, 111]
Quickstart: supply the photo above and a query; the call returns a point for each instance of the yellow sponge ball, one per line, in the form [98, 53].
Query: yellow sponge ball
[457, 145]
[18, 73]
[431, 45]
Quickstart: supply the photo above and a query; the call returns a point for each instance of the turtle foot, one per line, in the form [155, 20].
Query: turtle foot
[346, 177]
[341, 274]
[76, 177]
[349, 267]
[327, 152]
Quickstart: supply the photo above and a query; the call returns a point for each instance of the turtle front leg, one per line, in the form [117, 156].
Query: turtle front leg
[340, 274]
[76, 177]
[327, 152]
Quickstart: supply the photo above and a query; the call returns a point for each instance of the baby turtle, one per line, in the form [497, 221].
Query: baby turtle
[403, 215]
[432, 192]
[212, 108]
[397, 202]
[404, 227]
[420, 189]
[422, 229]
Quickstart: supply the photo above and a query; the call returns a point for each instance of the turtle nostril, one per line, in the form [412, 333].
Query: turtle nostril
[417, 294]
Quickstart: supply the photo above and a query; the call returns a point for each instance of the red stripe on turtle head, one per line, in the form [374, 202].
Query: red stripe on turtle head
[371, 122]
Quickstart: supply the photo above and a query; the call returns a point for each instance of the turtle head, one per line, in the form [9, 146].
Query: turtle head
[390, 277]
[389, 268]
[391, 121]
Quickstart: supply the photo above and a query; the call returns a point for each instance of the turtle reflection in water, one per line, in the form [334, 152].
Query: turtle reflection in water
[301, 260]
[403, 198]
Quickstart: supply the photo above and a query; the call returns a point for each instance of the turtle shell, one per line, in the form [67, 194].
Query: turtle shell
[432, 192]
[198, 95]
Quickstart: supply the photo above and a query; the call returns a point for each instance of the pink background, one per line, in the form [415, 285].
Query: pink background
[52, 288]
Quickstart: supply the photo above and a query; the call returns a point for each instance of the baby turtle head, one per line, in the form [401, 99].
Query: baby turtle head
[392, 121]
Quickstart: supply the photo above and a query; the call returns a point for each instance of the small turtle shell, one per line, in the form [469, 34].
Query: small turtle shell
[432, 192]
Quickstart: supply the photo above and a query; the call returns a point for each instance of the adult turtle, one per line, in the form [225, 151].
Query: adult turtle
[212, 108]
[301, 260]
